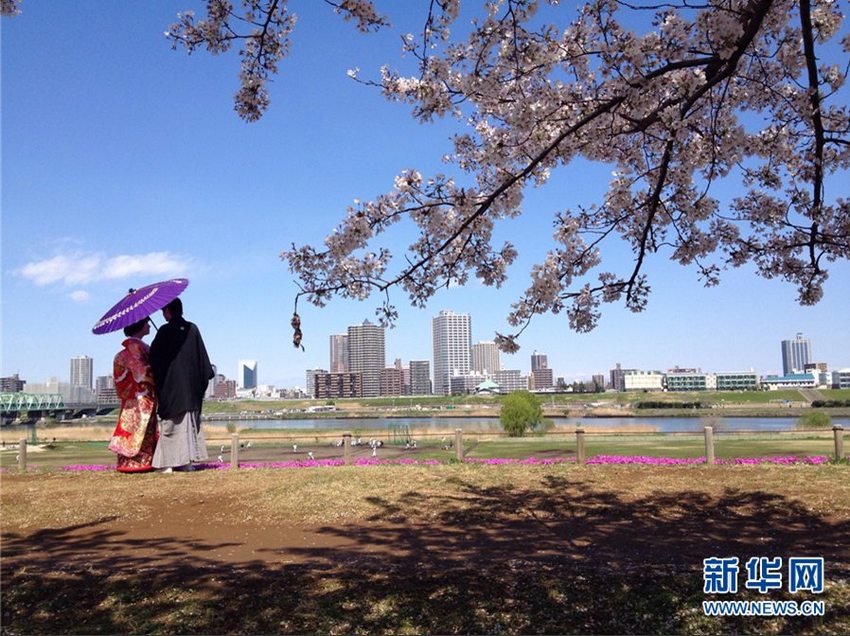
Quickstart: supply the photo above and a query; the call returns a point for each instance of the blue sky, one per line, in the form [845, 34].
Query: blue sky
[123, 163]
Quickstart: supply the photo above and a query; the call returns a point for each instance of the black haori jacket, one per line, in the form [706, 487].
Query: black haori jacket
[181, 368]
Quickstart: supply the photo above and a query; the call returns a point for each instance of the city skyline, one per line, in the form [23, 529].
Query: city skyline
[124, 129]
[369, 339]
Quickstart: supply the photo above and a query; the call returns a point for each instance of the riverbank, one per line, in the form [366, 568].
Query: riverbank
[421, 428]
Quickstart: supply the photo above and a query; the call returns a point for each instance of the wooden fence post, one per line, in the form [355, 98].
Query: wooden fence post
[580, 454]
[346, 448]
[709, 445]
[838, 434]
[22, 455]
[234, 450]
[459, 444]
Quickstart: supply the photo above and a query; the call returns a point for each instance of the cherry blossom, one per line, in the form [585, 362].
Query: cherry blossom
[10, 7]
[750, 92]
[732, 89]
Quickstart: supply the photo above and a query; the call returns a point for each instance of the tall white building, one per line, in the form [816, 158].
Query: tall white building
[796, 354]
[485, 357]
[452, 338]
[82, 380]
[82, 372]
[339, 353]
[246, 375]
[366, 355]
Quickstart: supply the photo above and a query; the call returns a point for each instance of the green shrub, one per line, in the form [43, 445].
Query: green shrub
[520, 412]
[818, 404]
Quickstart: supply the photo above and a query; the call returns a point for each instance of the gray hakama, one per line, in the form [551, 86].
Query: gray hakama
[181, 441]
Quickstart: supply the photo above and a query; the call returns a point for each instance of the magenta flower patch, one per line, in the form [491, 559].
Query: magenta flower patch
[780, 460]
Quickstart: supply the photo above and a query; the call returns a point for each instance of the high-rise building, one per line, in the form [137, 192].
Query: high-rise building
[617, 381]
[485, 357]
[405, 376]
[220, 388]
[82, 380]
[82, 372]
[12, 384]
[366, 355]
[392, 381]
[541, 374]
[539, 361]
[104, 382]
[104, 389]
[510, 380]
[796, 354]
[452, 339]
[337, 385]
[420, 377]
[247, 374]
[311, 381]
[598, 381]
[339, 353]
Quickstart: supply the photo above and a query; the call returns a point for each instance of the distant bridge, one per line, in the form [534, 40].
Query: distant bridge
[34, 406]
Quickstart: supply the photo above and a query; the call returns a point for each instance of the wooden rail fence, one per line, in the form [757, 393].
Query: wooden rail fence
[581, 454]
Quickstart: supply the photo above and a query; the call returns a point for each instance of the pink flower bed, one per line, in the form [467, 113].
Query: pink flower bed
[87, 467]
[782, 460]
[528, 461]
[786, 460]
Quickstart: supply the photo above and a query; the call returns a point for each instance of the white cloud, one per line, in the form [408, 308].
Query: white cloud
[79, 295]
[80, 269]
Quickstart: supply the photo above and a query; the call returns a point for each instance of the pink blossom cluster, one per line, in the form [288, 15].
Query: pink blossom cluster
[785, 460]
[294, 463]
[87, 467]
[782, 460]
[528, 461]
[642, 459]
[744, 91]
[317, 463]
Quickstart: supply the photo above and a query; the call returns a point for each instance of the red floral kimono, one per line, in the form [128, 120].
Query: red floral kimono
[136, 434]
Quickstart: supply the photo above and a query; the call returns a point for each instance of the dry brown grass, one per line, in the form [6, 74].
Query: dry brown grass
[335, 495]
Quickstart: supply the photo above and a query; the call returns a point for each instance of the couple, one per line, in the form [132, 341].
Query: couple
[169, 377]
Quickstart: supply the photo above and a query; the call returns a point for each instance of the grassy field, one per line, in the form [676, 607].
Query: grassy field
[271, 445]
[410, 550]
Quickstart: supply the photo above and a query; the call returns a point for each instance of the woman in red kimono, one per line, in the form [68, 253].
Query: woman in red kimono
[135, 436]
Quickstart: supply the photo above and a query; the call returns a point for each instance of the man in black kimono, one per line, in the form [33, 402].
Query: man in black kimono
[182, 371]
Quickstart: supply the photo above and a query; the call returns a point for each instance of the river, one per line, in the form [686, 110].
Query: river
[425, 424]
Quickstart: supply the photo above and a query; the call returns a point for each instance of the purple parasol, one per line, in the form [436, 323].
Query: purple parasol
[139, 304]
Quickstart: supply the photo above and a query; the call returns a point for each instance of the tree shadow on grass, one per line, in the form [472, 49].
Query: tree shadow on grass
[560, 558]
